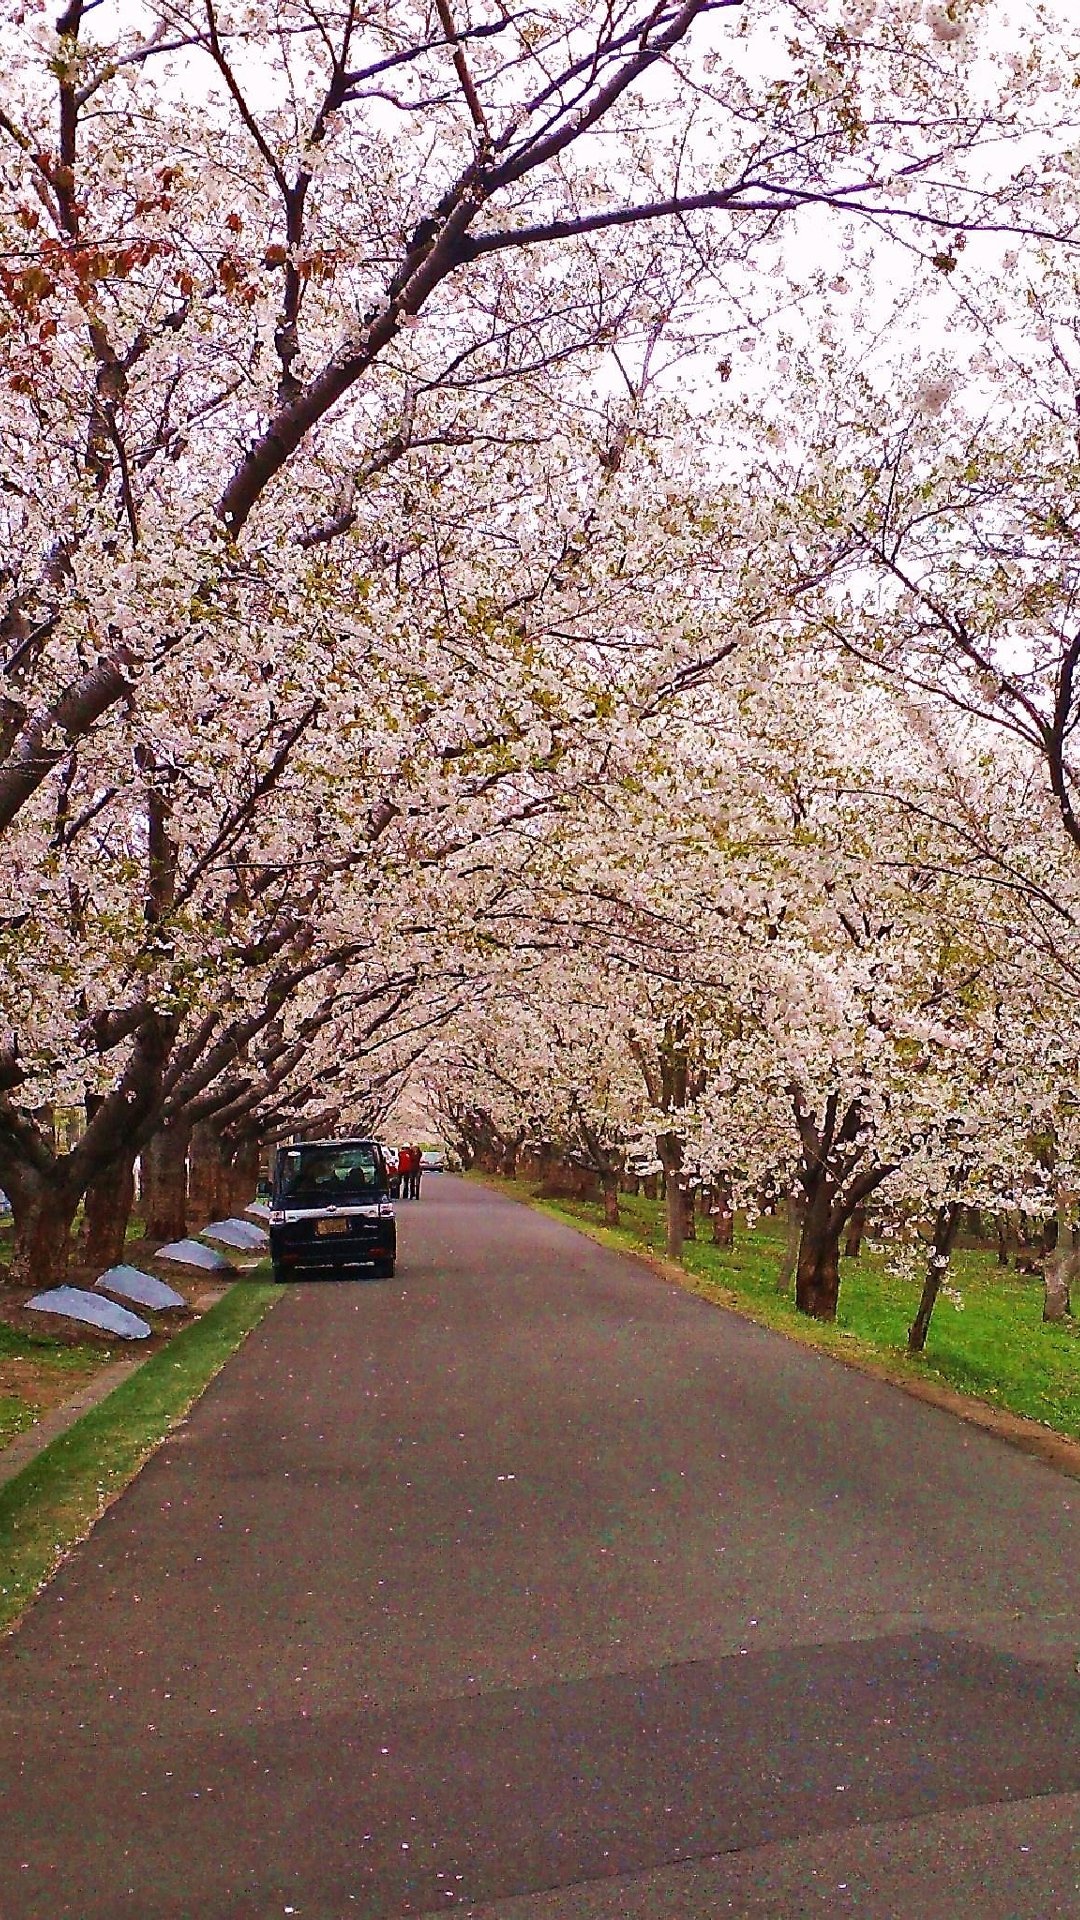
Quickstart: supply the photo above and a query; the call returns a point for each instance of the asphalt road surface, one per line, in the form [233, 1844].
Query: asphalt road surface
[529, 1586]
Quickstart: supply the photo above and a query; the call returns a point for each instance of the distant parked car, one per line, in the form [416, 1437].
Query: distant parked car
[433, 1160]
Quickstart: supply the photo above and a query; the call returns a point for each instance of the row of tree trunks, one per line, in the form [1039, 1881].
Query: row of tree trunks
[821, 1217]
[188, 1177]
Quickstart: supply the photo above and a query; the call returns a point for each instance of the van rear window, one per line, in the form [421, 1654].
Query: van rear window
[327, 1174]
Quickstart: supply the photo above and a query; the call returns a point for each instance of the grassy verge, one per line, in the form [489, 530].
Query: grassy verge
[15, 1417]
[995, 1348]
[55, 1501]
[38, 1372]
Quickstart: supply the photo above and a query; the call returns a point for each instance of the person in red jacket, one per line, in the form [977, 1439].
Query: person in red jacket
[417, 1170]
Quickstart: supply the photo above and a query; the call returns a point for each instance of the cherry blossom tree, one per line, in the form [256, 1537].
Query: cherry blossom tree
[816, 995]
[354, 531]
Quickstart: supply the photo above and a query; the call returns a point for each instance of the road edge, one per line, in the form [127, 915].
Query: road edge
[57, 1497]
[1054, 1449]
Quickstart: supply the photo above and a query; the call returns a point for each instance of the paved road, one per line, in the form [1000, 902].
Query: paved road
[531, 1587]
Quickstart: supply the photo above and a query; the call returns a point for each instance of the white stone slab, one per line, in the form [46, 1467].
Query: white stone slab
[257, 1234]
[259, 1207]
[93, 1309]
[243, 1234]
[192, 1253]
[131, 1284]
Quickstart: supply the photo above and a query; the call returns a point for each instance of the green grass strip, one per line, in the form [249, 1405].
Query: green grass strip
[55, 1500]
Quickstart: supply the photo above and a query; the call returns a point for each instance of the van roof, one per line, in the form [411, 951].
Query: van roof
[290, 1146]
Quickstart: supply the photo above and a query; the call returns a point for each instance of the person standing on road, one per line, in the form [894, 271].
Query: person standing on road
[417, 1170]
[411, 1157]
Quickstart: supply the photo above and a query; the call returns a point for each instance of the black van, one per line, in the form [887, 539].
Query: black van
[330, 1211]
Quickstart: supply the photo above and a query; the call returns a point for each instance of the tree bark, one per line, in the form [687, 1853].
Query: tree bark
[1062, 1265]
[163, 1200]
[43, 1210]
[817, 1268]
[611, 1199]
[723, 1216]
[1004, 1239]
[244, 1174]
[836, 1180]
[689, 1214]
[1062, 1271]
[856, 1229]
[945, 1230]
[206, 1174]
[107, 1205]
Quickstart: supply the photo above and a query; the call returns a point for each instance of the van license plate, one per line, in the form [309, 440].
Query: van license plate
[331, 1226]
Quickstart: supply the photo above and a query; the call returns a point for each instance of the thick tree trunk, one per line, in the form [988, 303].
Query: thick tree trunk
[43, 1210]
[835, 1185]
[206, 1174]
[107, 1206]
[817, 1268]
[795, 1210]
[937, 1266]
[163, 1200]
[611, 1199]
[244, 1175]
[854, 1237]
[723, 1216]
[1004, 1239]
[689, 1214]
[1062, 1273]
[1062, 1266]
